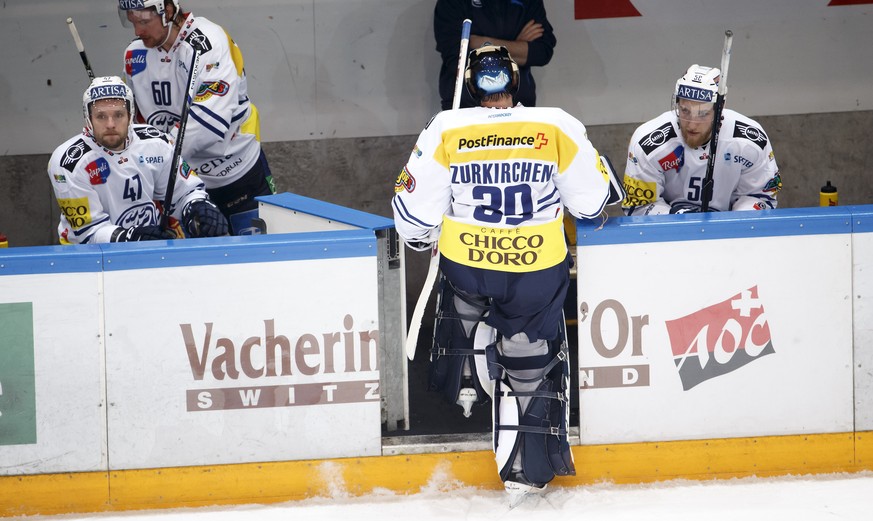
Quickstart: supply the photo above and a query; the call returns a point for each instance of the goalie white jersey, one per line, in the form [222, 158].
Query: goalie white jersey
[99, 191]
[662, 170]
[501, 170]
[221, 135]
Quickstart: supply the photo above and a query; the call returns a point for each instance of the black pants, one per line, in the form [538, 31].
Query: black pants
[239, 197]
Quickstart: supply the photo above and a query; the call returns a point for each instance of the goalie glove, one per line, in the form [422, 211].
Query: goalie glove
[141, 233]
[201, 218]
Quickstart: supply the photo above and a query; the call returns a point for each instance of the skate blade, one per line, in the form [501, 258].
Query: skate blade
[519, 492]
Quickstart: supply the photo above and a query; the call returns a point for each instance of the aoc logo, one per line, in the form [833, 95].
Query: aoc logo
[720, 338]
[134, 62]
[404, 181]
[98, 171]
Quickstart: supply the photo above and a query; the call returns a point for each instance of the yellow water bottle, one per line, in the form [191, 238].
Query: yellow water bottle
[4, 242]
[828, 195]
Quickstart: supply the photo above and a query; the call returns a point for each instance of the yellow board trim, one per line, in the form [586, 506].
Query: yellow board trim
[263, 483]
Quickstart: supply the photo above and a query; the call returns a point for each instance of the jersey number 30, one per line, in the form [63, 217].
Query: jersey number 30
[513, 201]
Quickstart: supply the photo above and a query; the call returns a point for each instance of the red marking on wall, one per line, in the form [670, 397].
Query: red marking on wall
[593, 9]
[848, 2]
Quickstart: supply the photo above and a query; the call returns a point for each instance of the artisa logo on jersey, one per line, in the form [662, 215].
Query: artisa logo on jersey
[720, 338]
[328, 367]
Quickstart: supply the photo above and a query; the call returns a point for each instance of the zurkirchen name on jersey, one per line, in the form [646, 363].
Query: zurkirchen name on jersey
[502, 172]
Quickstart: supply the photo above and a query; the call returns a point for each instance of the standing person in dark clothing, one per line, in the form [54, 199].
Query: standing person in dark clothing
[519, 25]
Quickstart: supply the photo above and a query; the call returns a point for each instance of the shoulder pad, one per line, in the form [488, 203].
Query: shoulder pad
[750, 132]
[74, 154]
[657, 137]
[149, 132]
[199, 41]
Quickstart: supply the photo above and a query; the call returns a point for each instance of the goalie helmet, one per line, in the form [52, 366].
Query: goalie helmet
[107, 87]
[698, 84]
[141, 9]
[490, 70]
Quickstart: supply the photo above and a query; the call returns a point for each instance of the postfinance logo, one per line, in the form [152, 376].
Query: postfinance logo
[17, 375]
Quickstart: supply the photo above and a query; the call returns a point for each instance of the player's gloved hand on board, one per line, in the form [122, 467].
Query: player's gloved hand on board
[201, 218]
[426, 243]
[683, 207]
[151, 232]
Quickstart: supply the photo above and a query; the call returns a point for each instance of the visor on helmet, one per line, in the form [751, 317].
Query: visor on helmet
[131, 12]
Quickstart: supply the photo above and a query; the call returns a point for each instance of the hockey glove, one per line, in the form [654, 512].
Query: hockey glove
[685, 208]
[201, 218]
[142, 233]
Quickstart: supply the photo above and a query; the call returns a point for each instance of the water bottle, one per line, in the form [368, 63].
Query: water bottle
[828, 195]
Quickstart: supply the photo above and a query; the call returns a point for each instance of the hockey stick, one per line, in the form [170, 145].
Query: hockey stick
[81, 48]
[434, 266]
[177, 151]
[716, 122]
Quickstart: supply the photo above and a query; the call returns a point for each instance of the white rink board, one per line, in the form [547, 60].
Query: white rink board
[863, 318]
[804, 385]
[68, 370]
[156, 413]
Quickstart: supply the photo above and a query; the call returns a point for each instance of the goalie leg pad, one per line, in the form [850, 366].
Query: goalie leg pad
[531, 413]
[452, 357]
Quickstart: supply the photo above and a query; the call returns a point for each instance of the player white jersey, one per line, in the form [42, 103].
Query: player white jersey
[99, 190]
[221, 140]
[662, 170]
[503, 170]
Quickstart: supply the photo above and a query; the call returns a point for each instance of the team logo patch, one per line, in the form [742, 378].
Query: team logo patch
[658, 137]
[98, 171]
[163, 120]
[753, 134]
[720, 339]
[207, 90]
[73, 154]
[674, 159]
[199, 41]
[404, 181]
[184, 169]
[134, 62]
[774, 184]
[148, 132]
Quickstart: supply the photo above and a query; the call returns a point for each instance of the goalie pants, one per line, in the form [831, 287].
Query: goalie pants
[526, 359]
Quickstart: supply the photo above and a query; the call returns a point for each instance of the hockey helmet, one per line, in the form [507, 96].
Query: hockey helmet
[698, 84]
[107, 87]
[490, 70]
[142, 9]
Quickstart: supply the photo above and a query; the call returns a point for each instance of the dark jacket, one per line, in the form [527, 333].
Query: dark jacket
[501, 19]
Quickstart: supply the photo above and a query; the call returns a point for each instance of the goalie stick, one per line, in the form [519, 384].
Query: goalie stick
[434, 266]
[175, 163]
[706, 196]
[81, 48]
